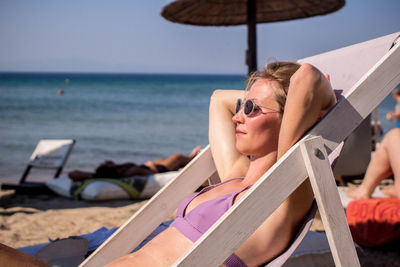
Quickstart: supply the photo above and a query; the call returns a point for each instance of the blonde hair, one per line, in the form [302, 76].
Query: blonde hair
[281, 72]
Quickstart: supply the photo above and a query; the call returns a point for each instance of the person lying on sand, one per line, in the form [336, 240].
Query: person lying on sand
[109, 169]
[385, 162]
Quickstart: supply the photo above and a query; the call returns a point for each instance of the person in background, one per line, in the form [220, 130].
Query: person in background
[396, 114]
[109, 169]
[384, 163]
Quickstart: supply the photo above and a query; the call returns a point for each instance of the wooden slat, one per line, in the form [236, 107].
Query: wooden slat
[329, 204]
[161, 205]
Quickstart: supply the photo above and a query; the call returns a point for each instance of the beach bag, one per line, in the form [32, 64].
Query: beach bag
[374, 222]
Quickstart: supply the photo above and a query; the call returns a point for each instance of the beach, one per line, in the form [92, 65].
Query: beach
[29, 220]
[33, 219]
[123, 118]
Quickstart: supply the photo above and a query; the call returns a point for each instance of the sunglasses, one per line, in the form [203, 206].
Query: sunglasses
[250, 107]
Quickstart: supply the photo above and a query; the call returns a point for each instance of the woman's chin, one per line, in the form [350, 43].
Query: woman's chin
[240, 148]
[244, 152]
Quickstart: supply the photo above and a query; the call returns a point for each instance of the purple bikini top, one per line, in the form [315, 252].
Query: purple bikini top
[194, 224]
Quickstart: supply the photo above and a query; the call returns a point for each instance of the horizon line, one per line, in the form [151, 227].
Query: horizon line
[118, 73]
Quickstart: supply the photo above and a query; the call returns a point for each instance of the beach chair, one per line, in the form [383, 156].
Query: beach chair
[48, 154]
[355, 154]
[365, 74]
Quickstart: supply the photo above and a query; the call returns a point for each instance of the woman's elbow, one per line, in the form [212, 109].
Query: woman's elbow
[309, 82]
[307, 73]
[218, 93]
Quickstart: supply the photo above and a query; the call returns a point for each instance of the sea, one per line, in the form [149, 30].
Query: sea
[119, 117]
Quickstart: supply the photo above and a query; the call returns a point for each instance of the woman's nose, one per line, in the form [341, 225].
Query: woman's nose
[238, 117]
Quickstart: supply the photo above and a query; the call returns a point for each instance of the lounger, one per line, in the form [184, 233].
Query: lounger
[48, 154]
[364, 74]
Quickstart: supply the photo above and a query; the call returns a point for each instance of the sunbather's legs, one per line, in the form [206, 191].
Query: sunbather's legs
[194, 152]
[394, 156]
[385, 162]
[390, 191]
[175, 161]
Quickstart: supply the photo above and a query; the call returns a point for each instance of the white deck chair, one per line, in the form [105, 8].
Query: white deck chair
[366, 72]
[48, 154]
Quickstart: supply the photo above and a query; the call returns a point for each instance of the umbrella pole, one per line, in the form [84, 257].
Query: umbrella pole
[251, 54]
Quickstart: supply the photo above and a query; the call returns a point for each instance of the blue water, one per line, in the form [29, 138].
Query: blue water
[122, 117]
[112, 116]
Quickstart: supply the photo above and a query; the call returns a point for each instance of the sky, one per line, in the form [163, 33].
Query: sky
[130, 36]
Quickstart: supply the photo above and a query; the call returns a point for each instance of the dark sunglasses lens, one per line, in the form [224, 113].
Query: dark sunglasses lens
[248, 107]
[238, 105]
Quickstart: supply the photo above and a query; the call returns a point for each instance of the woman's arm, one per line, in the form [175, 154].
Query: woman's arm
[229, 162]
[310, 97]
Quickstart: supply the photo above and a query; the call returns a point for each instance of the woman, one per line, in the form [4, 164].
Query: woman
[246, 140]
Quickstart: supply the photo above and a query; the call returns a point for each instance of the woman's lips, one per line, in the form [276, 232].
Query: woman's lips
[239, 132]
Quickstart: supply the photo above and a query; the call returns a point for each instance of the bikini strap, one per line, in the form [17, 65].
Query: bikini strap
[205, 189]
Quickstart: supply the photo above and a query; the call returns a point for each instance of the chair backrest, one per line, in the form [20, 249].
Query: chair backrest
[346, 67]
[356, 152]
[51, 153]
[340, 64]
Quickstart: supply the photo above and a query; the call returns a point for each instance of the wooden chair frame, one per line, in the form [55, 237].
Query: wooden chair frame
[53, 162]
[307, 158]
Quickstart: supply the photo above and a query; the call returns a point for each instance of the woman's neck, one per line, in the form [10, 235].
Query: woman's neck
[258, 166]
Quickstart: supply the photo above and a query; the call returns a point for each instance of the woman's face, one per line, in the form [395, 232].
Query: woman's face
[257, 135]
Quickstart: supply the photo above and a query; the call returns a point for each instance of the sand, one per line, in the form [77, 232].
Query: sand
[28, 220]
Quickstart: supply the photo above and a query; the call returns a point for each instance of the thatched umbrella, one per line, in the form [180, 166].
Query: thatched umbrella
[250, 12]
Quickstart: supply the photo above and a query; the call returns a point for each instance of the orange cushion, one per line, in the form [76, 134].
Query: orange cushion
[374, 222]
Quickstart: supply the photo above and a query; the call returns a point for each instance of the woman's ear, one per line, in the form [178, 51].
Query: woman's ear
[328, 77]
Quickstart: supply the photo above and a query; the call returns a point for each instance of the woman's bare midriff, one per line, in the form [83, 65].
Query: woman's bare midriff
[167, 247]
[163, 250]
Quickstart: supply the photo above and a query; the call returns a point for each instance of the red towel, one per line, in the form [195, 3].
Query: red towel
[374, 222]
